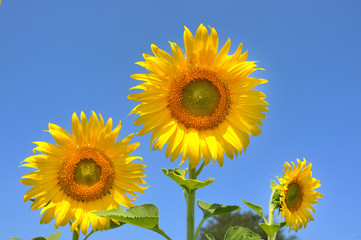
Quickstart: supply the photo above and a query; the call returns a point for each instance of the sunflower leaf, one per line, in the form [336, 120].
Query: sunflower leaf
[241, 233]
[54, 236]
[145, 216]
[115, 225]
[178, 175]
[213, 209]
[254, 207]
[272, 229]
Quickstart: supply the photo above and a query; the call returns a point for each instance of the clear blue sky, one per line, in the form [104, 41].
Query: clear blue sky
[60, 57]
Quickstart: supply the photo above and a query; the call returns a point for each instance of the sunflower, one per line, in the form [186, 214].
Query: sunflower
[85, 172]
[297, 194]
[199, 102]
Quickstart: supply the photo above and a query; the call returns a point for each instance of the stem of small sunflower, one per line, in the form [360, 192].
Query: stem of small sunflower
[88, 235]
[270, 216]
[191, 196]
[199, 170]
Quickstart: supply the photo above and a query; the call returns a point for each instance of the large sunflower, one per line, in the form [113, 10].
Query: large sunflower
[199, 102]
[297, 194]
[85, 172]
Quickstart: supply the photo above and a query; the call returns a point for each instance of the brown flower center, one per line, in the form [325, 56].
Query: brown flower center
[86, 174]
[294, 196]
[199, 99]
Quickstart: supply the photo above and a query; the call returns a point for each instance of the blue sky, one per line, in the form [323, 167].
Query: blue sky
[60, 57]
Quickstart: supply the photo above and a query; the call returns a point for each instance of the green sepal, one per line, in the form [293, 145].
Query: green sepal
[210, 236]
[178, 175]
[241, 233]
[54, 236]
[273, 184]
[254, 207]
[272, 229]
[145, 216]
[213, 209]
[33, 200]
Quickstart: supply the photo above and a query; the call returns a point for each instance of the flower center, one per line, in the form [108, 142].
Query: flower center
[199, 99]
[294, 196]
[86, 174]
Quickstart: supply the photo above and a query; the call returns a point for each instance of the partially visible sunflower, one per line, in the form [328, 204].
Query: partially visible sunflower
[297, 194]
[199, 102]
[85, 172]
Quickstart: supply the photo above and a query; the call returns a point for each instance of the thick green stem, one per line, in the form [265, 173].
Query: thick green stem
[191, 196]
[271, 210]
[270, 216]
[76, 234]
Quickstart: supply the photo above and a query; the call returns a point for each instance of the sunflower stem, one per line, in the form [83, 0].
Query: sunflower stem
[190, 206]
[88, 235]
[76, 234]
[199, 228]
[199, 170]
[270, 216]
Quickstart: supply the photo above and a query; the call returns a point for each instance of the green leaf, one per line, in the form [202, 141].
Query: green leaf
[179, 171]
[114, 225]
[254, 207]
[178, 175]
[145, 216]
[241, 233]
[272, 229]
[54, 236]
[210, 236]
[213, 209]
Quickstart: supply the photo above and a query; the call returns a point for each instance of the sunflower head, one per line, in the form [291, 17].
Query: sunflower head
[200, 101]
[83, 172]
[297, 194]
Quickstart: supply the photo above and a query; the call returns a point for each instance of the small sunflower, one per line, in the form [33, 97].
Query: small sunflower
[297, 194]
[199, 102]
[85, 172]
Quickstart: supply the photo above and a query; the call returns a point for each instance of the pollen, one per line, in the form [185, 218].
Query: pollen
[86, 174]
[199, 99]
